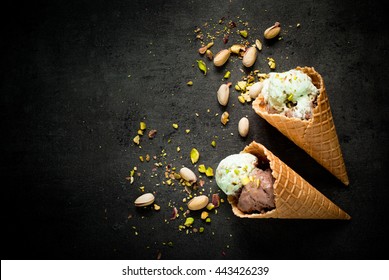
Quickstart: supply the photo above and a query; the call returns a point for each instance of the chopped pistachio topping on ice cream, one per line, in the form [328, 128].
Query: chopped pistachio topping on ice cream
[290, 93]
[232, 170]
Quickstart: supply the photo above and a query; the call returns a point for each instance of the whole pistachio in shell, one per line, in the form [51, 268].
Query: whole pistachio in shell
[223, 94]
[188, 175]
[144, 200]
[249, 57]
[255, 89]
[221, 57]
[243, 126]
[272, 31]
[198, 202]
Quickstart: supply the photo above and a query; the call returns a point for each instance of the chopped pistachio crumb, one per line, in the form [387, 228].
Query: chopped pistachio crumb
[136, 139]
[189, 221]
[213, 143]
[243, 33]
[157, 207]
[271, 63]
[201, 229]
[142, 125]
[210, 206]
[202, 168]
[209, 172]
[194, 155]
[245, 180]
[175, 125]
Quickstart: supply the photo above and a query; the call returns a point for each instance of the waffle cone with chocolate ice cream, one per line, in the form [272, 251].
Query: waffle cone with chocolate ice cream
[316, 136]
[294, 197]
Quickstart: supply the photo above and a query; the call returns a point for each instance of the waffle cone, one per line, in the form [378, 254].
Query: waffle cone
[295, 198]
[316, 136]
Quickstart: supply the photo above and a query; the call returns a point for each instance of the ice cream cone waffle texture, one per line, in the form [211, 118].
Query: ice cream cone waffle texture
[295, 198]
[316, 136]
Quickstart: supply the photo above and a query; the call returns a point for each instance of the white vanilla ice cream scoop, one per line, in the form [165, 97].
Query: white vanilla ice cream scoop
[232, 169]
[290, 93]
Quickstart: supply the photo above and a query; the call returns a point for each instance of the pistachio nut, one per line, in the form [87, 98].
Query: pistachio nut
[221, 57]
[223, 94]
[236, 48]
[188, 175]
[198, 202]
[144, 200]
[255, 90]
[243, 126]
[249, 57]
[272, 31]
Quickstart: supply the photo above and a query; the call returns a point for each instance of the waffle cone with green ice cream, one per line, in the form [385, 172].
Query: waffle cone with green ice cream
[293, 197]
[316, 133]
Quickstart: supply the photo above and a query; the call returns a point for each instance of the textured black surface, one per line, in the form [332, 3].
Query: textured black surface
[77, 77]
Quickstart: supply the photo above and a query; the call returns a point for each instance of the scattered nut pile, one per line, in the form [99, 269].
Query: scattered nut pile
[245, 50]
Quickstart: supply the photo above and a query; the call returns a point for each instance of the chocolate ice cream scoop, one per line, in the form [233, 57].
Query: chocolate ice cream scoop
[257, 194]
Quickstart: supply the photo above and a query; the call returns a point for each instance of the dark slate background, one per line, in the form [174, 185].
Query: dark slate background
[77, 77]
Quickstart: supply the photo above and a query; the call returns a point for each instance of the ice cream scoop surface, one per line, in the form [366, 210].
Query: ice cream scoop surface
[290, 93]
[258, 194]
[232, 169]
[238, 175]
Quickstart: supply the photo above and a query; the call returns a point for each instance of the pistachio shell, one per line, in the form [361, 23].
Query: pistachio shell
[255, 90]
[243, 126]
[258, 44]
[198, 202]
[221, 57]
[223, 94]
[188, 175]
[249, 57]
[144, 200]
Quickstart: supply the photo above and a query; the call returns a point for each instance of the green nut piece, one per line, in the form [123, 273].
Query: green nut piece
[189, 221]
